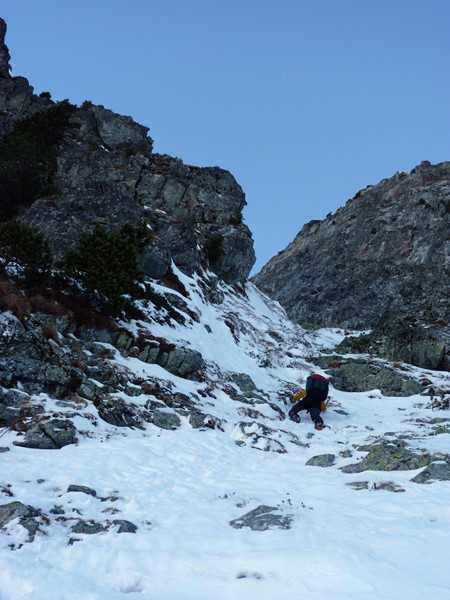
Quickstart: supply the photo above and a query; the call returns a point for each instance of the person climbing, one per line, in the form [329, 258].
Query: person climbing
[312, 399]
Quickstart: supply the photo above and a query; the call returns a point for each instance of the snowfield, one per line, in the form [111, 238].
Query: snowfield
[182, 488]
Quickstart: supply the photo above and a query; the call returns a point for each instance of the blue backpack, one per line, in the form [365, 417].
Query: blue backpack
[317, 387]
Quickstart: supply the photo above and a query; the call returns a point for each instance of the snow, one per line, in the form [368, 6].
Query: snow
[182, 488]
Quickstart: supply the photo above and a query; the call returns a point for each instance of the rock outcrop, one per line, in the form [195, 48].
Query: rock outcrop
[404, 339]
[4, 52]
[101, 170]
[386, 250]
[17, 100]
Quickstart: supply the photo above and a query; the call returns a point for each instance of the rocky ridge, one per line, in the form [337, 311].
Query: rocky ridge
[386, 252]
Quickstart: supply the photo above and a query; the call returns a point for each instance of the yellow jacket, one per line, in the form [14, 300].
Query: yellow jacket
[301, 393]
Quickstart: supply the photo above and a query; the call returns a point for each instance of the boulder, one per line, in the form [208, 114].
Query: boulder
[362, 375]
[183, 361]
[25, 513]
[165, 420]
[82, 489]
[179, 360]
[249, 393]
[12, 403]
[388, 456]
[436, 471]
[262, 518]
[321, 460]
[118, 412]
[89, 527]
[49, 435]
[124, 526]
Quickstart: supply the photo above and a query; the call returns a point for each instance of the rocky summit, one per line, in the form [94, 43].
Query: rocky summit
[97, 167]
[386, 251]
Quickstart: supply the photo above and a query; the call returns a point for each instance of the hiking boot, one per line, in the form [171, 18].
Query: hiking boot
[319, 425]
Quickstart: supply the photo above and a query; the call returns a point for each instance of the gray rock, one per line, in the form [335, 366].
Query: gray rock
[262, 518]
[58, 509]
[388, 456]
[322, 460]
[165, 420]
[184, 361]
[117, 412]
[23, 512]
[404, 339]
[125, 526]
[199, 420]
[4, 449]
[436, 471]
[247, 575]
[90, 389]
[50, 435]
[266, 439]
[244, 382]
[230, 252]
[385, 250]
[14, 510]
[155, 262]
[117, 131]
[362, 375]
[180, 361]
[12, 403]
[358, 485]
[345, 453]
[259, 436]
[388, 486]
[88, 527]
[249, 392]
[82, 489]
[124, 340]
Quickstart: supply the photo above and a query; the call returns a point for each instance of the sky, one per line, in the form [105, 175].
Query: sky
[305, 102]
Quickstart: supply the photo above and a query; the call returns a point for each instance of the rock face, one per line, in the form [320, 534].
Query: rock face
[387, 249]
[404, 339]
[103, 172]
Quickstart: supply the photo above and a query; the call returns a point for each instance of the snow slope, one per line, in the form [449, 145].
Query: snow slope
[182, 488]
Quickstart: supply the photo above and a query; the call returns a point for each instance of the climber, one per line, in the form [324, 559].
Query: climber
[312, 399]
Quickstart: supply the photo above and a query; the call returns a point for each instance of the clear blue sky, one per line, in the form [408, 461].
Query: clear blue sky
[304, 101]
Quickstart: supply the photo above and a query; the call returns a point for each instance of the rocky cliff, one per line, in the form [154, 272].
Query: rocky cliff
[88, 165]
[387, 251]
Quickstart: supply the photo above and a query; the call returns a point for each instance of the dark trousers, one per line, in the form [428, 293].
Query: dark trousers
[310, 405]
